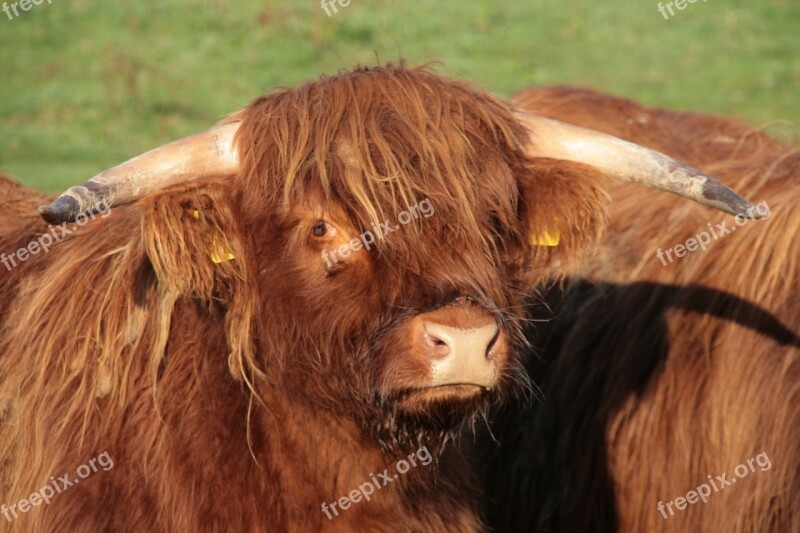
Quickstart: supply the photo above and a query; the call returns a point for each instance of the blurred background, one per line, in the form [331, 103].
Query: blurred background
[85, 85]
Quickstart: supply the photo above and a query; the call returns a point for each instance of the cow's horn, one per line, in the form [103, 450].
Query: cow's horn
[630, 162]
[211, 153]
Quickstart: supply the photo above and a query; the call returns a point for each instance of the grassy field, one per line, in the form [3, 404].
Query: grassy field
[85, 85]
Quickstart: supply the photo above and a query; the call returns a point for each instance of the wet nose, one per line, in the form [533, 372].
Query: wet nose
[460, 344]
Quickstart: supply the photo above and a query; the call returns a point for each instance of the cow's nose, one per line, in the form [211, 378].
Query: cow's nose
[460, 347]
[446, 341]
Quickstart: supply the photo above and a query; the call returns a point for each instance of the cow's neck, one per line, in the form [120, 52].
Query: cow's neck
[320, 457]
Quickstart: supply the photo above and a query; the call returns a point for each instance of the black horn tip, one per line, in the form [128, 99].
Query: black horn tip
[730, 202]
[63, 209]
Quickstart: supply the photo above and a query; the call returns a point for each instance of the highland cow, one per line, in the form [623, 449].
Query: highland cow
[657, 377]
[238, 380]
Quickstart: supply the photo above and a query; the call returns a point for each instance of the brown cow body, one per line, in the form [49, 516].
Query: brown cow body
[241, 395]
[657, 376]
[237, 380]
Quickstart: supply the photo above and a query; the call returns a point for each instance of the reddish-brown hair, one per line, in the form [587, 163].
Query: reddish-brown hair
[657, 376]
[246, 392]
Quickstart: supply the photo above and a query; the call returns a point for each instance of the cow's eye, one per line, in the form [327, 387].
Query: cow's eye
[322, 229]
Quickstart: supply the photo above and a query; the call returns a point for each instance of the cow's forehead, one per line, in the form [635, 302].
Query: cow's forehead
[375, 143]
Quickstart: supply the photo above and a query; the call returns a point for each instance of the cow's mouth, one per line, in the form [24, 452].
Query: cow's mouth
[453, 388]
[422, 399]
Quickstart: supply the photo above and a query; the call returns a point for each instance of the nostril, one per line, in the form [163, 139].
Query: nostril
[437, 345]
[492, 344]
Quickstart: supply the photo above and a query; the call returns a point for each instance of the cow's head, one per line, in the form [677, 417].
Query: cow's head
[394, 222]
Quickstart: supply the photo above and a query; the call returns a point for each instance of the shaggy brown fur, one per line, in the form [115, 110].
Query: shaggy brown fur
[240, 396]
[655, 377]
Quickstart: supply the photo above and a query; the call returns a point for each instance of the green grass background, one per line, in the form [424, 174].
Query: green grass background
[85, 85]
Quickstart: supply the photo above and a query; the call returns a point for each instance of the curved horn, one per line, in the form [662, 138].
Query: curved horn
[211, 153]
[630, 162]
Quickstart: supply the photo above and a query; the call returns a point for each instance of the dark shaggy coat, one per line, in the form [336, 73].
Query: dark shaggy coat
[656, 377]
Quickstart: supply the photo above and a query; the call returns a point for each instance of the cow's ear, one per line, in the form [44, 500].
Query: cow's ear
[193, 241]
[564, 211]
[198, 250]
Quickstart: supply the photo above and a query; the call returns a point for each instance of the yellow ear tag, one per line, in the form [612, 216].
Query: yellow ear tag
[218, 252]
[546, 239]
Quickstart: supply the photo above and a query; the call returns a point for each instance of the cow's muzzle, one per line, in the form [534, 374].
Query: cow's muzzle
[461, 345]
